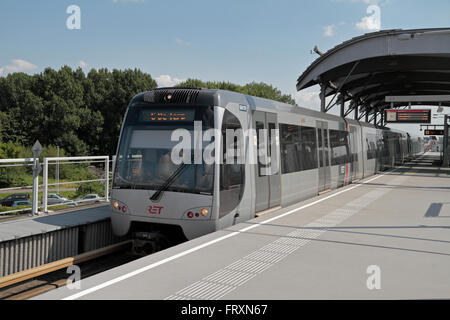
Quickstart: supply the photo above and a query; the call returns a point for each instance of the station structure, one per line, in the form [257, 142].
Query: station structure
[385, 237]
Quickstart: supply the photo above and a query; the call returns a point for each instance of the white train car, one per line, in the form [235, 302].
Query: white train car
[266, 155]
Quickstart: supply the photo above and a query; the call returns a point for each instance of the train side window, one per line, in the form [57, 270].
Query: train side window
[298, 148]
[339, 147]
[232, 174]
[326, 147]
[290, 148]
[308, 150]
[353, 145]
[259, 127]
[371, 141]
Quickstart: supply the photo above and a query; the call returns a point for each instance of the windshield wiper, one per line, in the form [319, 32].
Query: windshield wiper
[157, 195]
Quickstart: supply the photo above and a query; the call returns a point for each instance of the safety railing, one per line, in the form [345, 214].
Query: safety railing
[48, 161]
[44, 205]
[20, 162]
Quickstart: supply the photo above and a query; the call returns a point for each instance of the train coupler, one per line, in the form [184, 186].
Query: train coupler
[145, 243]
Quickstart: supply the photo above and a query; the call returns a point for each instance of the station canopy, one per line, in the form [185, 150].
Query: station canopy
[366, 69]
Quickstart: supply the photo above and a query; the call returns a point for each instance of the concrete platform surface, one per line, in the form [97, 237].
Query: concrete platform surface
[387, 237]
[24, 227]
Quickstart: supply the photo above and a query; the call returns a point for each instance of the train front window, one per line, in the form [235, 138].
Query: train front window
[145, 152]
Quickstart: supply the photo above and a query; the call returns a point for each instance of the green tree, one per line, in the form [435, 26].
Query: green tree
[12, 176]
[267, 91]
[109, 93]
[80, 113]
[261, 90]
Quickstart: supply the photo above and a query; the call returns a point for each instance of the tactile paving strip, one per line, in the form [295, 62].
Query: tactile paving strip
[224, 281]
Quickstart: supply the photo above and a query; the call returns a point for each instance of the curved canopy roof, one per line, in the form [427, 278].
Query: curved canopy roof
[386, 63]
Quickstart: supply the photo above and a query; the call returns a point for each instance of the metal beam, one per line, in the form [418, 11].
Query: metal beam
[427, 98]
[323, 89]
[340, 87]
[342, 98]
[351, 108]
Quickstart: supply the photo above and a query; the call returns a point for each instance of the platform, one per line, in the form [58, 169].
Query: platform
[387, 237]
[28, 226]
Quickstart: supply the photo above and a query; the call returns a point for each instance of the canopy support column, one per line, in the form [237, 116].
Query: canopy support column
[323, 89]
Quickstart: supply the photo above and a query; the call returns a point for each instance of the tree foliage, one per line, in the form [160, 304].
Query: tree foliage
[261, 89]
[80, 113]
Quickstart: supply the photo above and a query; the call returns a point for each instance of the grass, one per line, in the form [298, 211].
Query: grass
[26, 208]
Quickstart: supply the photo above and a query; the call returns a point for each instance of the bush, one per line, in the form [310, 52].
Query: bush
[14, 176]
[22, 176]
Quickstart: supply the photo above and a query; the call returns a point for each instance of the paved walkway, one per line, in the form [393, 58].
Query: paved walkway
[386, 238]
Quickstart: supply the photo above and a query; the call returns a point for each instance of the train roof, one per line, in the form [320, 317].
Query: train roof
[221, 98]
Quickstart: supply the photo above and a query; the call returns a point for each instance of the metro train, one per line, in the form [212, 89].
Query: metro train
[266, 155]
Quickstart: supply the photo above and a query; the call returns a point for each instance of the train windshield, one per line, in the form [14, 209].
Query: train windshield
[144, 160]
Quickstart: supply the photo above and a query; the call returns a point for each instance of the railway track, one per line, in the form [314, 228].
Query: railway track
[35, 281]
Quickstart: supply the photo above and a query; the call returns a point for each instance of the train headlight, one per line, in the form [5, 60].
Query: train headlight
[116, 205]
[204, 212]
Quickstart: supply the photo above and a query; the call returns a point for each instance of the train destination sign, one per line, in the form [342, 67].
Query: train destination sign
[152, 115]
[408, 116]
[434, 132]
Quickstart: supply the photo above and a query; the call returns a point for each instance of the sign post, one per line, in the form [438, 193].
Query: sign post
[37, 150]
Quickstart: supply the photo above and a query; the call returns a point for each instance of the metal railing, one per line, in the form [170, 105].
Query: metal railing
[36, 204]
[54, 159]
[15, 163]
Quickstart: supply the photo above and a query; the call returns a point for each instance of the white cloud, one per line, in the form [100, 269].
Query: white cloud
[19, 65]
[308, 98]
[165, 80]
[328, 31]
[1, 71]
[82, 64]
[372, 22]
[181, 42]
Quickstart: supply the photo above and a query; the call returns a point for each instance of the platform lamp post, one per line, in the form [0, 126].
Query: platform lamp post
[57, 171]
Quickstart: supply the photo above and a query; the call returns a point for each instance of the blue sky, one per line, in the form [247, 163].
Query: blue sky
[234, 40]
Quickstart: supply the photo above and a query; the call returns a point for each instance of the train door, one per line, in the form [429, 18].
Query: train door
[324, 156]
[354, 153]
[267, 173]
